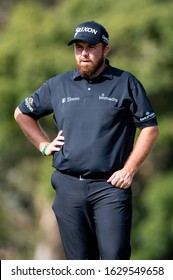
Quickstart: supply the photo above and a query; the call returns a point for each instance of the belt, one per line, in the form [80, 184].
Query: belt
[89, 177]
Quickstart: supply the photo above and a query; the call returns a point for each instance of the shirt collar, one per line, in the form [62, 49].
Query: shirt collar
[105, 74]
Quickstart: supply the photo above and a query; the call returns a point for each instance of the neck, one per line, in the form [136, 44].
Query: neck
[97, 73]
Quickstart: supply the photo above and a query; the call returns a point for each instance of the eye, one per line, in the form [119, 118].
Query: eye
[91, 46]
[78, 47]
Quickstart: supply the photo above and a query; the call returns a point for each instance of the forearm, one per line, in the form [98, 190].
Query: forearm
[142, 148]
[123, 178]
[31, 129]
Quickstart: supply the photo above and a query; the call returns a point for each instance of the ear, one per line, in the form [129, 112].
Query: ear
[106, 50]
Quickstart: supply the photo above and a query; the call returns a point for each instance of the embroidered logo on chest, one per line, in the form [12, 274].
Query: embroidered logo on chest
[70, 99]
[102, 97]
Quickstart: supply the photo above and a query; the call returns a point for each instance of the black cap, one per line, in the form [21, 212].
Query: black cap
[90, 32]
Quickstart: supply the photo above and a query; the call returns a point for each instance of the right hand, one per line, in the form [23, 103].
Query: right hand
[55, 145]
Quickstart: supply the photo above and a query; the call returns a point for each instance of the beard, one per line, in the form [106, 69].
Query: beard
[90, 69]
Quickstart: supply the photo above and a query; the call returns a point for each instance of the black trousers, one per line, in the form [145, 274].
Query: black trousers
[94, 218]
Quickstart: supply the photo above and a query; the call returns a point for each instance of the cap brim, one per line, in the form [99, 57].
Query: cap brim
[84, 39]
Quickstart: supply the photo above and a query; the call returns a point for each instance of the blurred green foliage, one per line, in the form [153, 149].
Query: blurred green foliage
[34, 36]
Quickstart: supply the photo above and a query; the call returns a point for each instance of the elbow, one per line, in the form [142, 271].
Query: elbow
[17, 114]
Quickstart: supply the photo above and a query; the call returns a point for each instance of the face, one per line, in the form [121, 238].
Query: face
[90, 59]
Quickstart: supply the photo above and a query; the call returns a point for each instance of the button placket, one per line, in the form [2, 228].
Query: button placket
[88, 86]
[89, 82]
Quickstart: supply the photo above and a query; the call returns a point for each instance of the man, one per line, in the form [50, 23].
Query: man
[97, 109]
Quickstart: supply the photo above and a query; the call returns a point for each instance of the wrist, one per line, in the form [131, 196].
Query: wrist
[130, 169]
[43, 150]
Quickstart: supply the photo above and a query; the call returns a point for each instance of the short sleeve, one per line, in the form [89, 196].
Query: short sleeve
[140, 107]
[38, 104]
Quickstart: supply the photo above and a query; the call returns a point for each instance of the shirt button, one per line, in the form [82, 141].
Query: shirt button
[89, 88]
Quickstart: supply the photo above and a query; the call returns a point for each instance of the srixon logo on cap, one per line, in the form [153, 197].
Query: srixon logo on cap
[85, 29]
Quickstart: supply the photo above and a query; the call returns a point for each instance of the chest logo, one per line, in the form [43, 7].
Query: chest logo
[106, 98]
[70, 99]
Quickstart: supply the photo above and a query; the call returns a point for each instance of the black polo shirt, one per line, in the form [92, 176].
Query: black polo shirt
[98, 118]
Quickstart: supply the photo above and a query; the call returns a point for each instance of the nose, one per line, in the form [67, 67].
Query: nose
[84, 52]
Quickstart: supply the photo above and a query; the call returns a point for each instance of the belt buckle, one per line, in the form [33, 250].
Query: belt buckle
[80, 178]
